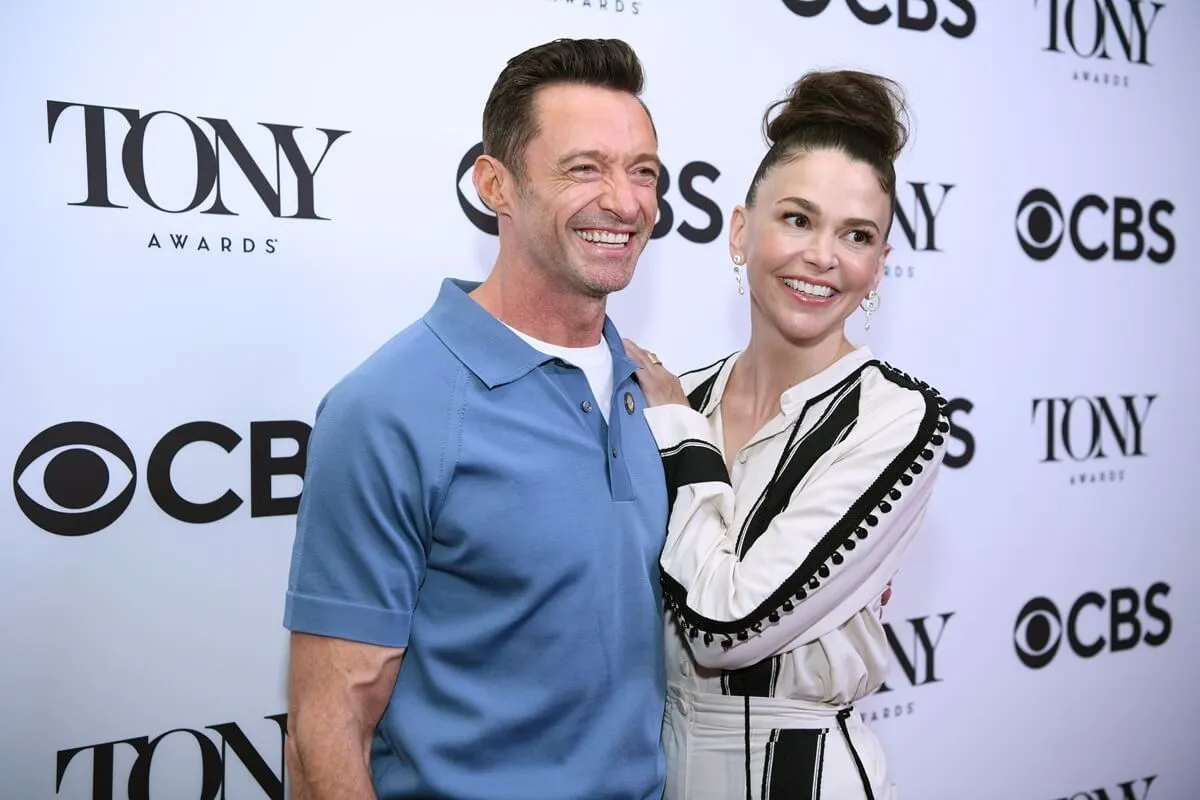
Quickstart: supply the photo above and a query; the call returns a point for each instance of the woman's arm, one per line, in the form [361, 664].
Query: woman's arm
[829, 554]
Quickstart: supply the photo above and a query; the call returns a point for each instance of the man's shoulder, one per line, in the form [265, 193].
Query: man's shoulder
[411, 372]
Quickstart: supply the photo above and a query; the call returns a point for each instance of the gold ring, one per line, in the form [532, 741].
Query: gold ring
[654, 358]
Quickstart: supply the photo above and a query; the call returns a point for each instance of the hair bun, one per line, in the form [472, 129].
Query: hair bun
[865, 106]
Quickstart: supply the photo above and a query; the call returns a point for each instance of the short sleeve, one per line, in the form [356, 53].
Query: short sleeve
[363, 526]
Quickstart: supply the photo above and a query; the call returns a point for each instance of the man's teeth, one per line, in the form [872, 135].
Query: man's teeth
[807, 288]
[603, 237]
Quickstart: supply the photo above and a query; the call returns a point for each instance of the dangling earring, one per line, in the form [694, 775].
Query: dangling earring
[870, 305]
[737, 273]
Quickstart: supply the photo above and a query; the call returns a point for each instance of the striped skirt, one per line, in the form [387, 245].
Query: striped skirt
[721, 748]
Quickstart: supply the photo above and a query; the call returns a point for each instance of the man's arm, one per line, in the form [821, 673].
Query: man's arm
[337, 693]
[358, 561]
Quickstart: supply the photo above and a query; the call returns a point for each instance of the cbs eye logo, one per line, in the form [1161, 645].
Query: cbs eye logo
[1042, 226]
[74, 479]
[1038, 633]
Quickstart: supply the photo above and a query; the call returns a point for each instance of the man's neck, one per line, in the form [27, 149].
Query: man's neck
[526, 299]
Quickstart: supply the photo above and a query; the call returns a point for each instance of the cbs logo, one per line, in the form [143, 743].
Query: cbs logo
[1042, 227]
[78, 478]
[1094, 623]
[931, 12]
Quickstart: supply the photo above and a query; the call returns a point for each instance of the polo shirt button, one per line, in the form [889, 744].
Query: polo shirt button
[586, 406]
[614, 452]
[742, 457]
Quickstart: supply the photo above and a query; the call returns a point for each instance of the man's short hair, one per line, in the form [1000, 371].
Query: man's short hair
[509, 118]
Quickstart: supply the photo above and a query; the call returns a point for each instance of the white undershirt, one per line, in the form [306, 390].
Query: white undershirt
[595, 361]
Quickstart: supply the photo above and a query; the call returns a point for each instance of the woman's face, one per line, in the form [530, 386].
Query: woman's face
[813, 244]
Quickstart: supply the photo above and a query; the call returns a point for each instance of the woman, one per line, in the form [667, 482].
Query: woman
[798, 469]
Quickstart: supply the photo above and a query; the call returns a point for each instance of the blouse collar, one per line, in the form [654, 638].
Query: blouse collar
[794, 397]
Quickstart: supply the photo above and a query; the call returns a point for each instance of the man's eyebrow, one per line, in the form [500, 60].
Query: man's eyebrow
[602, 157]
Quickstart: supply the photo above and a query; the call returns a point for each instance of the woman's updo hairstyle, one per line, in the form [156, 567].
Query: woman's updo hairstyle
[860, 114]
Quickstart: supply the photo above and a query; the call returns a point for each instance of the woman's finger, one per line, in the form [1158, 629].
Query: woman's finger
[635, 352]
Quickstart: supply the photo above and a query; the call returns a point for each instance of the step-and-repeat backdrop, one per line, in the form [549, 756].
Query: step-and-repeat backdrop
[209, 213]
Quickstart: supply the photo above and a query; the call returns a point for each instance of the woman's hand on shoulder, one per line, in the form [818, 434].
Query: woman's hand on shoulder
[658, 384]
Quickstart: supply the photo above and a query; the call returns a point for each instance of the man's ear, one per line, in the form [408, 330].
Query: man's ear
[494, 183]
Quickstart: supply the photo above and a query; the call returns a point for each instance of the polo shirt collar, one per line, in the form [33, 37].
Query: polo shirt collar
[488, 348]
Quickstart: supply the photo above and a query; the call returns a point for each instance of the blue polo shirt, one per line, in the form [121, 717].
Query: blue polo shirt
[465, 499]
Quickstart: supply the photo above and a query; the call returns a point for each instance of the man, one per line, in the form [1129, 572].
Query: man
[474, 596]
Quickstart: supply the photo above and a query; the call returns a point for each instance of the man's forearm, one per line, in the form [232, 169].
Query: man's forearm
[329, 763]
[338, 691]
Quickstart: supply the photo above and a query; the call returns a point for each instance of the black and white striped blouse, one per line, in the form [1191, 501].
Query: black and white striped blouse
[773, 571]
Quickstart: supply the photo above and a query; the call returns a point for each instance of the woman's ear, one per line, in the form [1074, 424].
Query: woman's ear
[737, 233]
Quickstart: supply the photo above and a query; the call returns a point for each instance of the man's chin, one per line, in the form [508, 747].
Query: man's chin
[608, 278]
[600, 273]
[600, 287]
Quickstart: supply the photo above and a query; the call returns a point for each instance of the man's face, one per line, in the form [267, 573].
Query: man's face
[589, 199]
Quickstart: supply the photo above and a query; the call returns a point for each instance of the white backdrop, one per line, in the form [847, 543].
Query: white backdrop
[142, 648]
